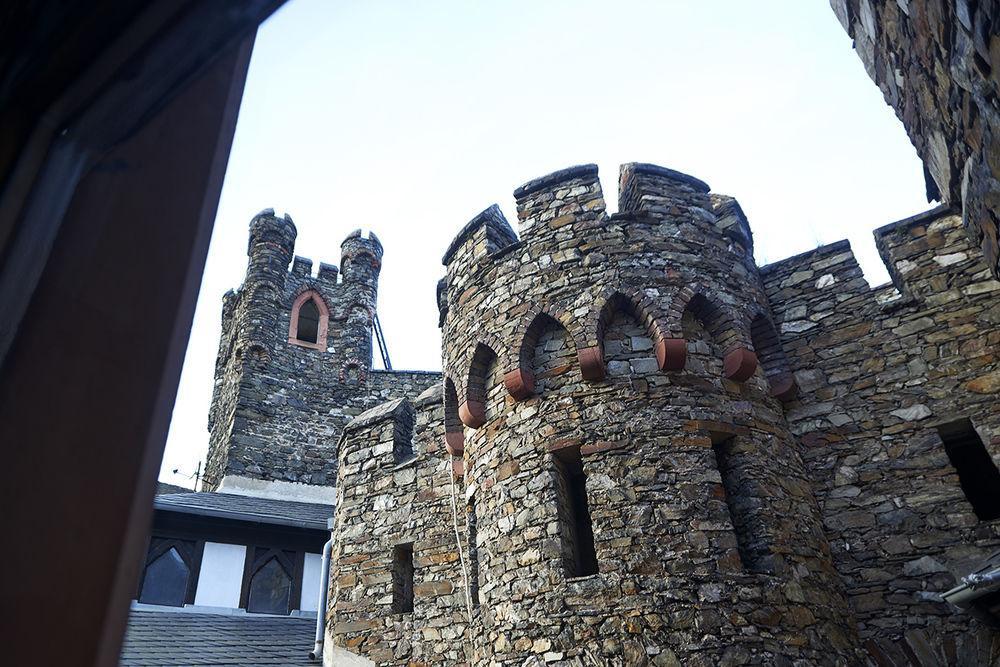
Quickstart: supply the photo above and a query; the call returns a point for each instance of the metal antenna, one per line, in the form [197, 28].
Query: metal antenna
[382, 347]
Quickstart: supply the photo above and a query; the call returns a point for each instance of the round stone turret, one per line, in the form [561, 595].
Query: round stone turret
[360, 258]
[614, 387]
[271, 245]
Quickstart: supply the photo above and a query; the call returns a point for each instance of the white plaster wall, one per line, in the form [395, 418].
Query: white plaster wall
[310, 582]
[278, 490]
[221, 575]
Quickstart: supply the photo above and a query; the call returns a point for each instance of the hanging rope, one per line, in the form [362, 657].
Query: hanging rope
[461, 553]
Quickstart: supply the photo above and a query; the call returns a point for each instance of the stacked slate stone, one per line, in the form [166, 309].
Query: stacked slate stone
[279, 404]
[394, 493]
[878, 370]
[665, 455]
[938, 65]
[613, 355]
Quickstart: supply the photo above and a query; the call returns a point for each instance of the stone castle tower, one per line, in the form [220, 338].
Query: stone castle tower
[690, 478]
[648, 450]
[294, 364]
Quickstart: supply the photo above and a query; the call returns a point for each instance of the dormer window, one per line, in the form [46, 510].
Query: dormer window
[309, 321]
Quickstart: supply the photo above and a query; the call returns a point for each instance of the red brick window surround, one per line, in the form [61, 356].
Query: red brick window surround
[309, 321]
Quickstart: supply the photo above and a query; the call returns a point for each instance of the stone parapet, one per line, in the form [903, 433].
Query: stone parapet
[937, 65]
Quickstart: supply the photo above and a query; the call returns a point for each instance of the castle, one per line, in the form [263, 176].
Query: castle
[643, 448]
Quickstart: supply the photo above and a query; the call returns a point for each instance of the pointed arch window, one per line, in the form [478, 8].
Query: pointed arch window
[271, 587]
[309, 321]
[167, 578]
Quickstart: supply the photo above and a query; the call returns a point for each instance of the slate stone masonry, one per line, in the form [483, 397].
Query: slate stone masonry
[278, 407]
[763, 473]
[937, 63]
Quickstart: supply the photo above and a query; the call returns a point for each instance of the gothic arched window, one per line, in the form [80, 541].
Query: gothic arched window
[270, 589]
[167, 576]
[309, 321]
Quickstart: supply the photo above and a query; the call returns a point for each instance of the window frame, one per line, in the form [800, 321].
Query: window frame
[190, 552]
[293, 562]
[322, 327]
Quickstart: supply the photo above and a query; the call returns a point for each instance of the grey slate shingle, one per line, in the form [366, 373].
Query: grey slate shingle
[175, 639]
[247, 508]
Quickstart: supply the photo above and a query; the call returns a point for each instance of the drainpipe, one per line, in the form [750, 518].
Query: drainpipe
[324, 585]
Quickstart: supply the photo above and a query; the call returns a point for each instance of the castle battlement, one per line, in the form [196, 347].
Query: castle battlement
[644, 448]
[672, 248]
[295, 361]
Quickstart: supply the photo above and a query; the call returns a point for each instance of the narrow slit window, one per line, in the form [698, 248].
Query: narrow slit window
[403, 435]
[576, 527]
[977, 474]
[743, 507]
[402, 579]
[308, 328]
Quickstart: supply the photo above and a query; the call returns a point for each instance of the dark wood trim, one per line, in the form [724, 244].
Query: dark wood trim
[229, 531]
[248, 570]
[197, 552]
[135, 211]
[295, 595]
[190, 552]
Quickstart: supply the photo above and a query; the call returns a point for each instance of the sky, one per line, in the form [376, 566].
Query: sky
[408, 118]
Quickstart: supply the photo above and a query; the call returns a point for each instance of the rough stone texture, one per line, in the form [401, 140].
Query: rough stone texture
[763, 473]
[278, 407]
[937, 63]
[877, 369]
[385, 500]
[691, 567]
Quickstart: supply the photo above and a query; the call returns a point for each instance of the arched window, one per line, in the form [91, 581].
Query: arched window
[309, 321]
[166, 580]
[270, 589]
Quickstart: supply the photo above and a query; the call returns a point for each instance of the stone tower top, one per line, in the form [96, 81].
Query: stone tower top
[294, 363]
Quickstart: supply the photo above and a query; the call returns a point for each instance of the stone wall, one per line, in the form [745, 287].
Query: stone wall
[626, 346]
[938, 64]
[877, 370]
[751, 456]
[395, 489]
[279, 405]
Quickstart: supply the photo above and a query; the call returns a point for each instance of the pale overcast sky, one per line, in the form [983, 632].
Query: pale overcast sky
[408, 118]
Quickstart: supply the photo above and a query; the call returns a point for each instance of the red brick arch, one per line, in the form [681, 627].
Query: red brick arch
[767, 346]
[454, 435]
[520, 380]
[739, 360]
[610, 301]
[472, 410]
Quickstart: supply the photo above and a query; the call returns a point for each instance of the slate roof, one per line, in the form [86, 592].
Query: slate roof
[164, 487]
[247, 508]
[169, 638]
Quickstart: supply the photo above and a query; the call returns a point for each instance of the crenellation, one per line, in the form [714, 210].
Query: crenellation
[563, 204]
[643, 449]
[748, 455]
[384, 503]
[294, 361]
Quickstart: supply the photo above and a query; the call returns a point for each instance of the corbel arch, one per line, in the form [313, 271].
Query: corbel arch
[610, 301]
[739, 361]
[770, 353]
[454, 436]
[520, 380]
[472, 410]
[309, 321]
